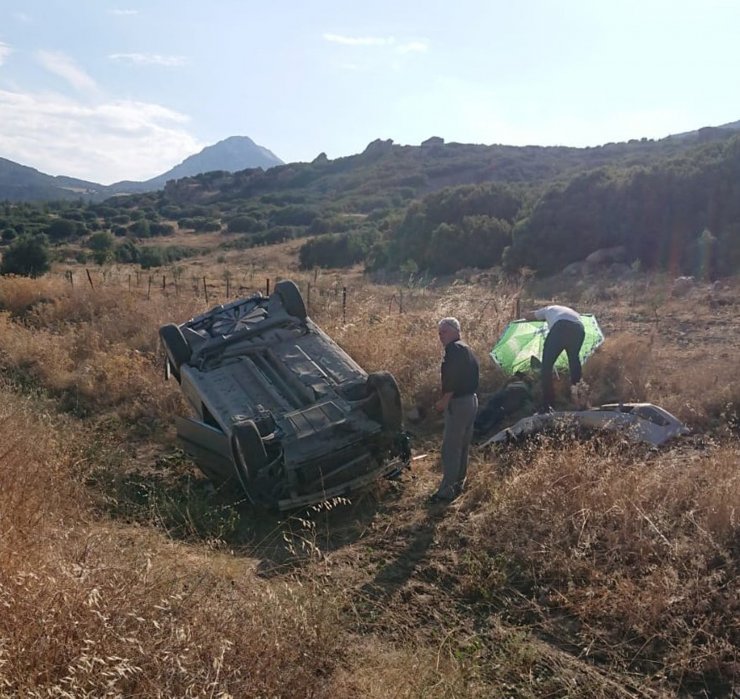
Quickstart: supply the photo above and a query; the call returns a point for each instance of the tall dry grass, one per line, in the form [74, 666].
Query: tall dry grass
[92, 609]
[638, 550]
[567, 569]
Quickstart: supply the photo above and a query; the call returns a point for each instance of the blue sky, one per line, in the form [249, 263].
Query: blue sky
[107, 91]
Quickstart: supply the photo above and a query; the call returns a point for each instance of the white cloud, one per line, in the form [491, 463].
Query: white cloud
[62, 65]
[390, 42]
[5, 51]
[419, 46]
[124, 13]
[22, 17]
[143, 59]
[104, 142]
[359, 40]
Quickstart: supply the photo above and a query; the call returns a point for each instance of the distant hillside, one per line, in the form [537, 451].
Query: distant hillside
[386, 174]
[230, 155]
[708, 131]
[439, 207]
[22, 183]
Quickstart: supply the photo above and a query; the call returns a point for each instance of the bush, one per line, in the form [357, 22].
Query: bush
[157, 229]
[293, 216]
[62, 228]
[140, 228]
[127, 252]
[155, 256]
[28, 256]
[245, 224]
[337, 250]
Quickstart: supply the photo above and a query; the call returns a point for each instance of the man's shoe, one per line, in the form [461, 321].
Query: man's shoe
[579, 394]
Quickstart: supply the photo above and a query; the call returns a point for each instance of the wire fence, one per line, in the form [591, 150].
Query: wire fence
[320, 292]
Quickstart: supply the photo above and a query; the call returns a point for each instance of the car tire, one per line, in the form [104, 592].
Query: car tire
[383, 385]
[176, 347]
[248, 451]
[290, 295]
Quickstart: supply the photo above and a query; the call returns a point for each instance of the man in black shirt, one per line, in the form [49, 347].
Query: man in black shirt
[460, 405]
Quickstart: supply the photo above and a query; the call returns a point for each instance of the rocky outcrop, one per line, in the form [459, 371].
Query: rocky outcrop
[433, 141]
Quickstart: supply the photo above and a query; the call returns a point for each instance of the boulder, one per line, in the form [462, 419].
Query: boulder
[607, 255]
[682, 286]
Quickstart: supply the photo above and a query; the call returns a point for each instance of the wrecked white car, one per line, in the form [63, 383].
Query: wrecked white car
[639, 422]
[279, 406]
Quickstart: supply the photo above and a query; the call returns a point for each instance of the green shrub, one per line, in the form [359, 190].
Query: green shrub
[28, 256]
[245, 224]
[62, 228]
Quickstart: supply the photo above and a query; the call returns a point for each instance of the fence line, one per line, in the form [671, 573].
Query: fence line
[333, 293]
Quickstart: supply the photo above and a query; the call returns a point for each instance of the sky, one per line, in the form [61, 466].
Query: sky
[107, 90]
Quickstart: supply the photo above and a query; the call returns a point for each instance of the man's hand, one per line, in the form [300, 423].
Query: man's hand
[441, 404]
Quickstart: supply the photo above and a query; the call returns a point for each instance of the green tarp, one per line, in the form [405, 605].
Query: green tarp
[520, 346]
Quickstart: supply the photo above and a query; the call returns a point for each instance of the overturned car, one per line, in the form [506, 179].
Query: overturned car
[279, 406]
[639, 422]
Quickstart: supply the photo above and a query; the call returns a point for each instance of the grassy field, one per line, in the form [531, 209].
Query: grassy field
[567, 569]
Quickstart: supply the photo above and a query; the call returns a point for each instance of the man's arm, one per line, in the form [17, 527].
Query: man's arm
[538, 314]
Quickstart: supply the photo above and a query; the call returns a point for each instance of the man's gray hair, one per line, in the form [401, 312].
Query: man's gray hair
[450, 322]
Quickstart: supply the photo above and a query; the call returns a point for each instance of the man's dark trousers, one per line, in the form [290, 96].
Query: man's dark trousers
[566, 336]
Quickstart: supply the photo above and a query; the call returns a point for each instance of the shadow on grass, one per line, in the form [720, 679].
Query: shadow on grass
[173, 497]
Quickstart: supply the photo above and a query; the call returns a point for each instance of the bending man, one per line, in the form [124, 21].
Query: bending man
[565, 333]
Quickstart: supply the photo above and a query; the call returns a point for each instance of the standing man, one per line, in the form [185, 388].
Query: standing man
[459, 403]
[565, 333]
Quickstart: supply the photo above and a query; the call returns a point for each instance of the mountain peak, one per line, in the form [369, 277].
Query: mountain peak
[231, 154]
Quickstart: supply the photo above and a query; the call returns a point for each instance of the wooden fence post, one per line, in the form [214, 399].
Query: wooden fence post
[149, 288]
[344, 304]
[400, 301]
[308, 298]
[267, 287]
[205, 289]
[89, 278]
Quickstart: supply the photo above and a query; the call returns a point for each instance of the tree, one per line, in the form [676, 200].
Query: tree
[101, 244]
[62, 228]
[28, 256]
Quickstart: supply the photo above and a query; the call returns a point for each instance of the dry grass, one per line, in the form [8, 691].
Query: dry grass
[568, 569]
[638, 550]
[92, 609]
